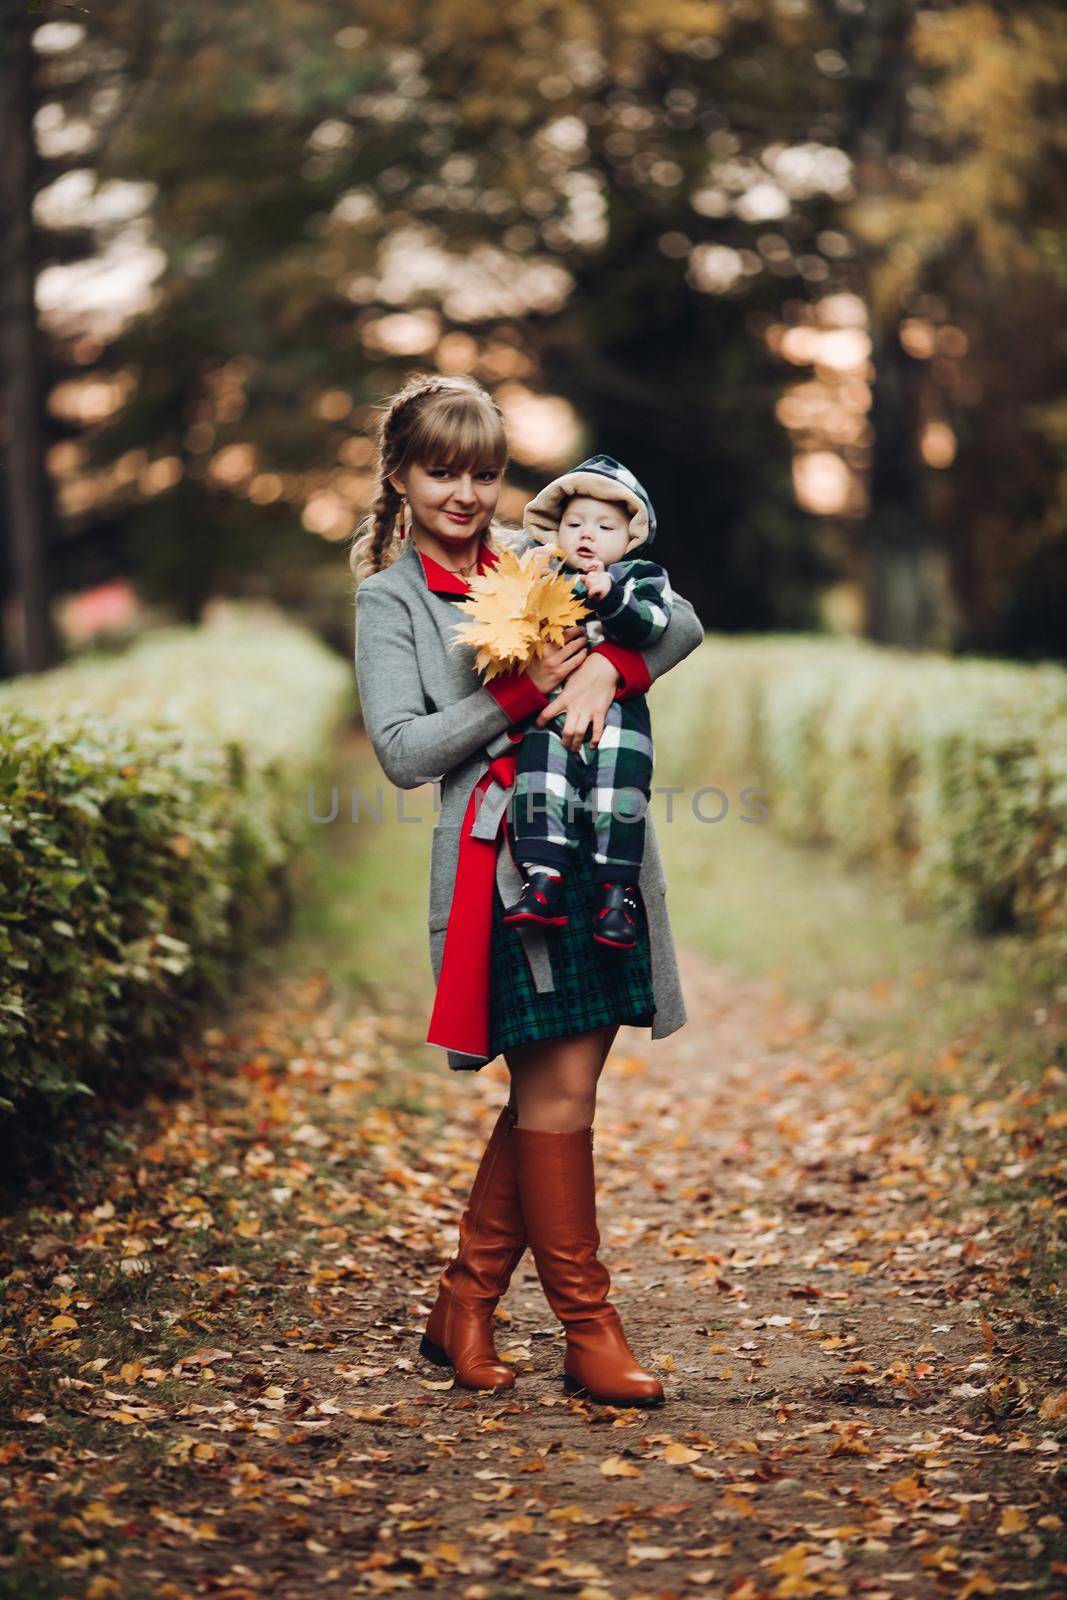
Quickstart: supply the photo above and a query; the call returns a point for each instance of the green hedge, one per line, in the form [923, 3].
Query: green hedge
[949, 773]
[149, 804]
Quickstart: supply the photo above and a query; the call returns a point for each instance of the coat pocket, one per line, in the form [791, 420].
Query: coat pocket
[444, 854]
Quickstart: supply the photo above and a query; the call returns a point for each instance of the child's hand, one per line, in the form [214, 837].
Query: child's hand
[597, 579]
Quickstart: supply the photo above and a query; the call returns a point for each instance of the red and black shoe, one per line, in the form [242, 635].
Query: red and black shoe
[615, 916]
[538, 902]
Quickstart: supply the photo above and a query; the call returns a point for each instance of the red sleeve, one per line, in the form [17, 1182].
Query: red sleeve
[636, 677]
[517, 694]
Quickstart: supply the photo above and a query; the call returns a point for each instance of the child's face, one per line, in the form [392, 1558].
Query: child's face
[593, 528]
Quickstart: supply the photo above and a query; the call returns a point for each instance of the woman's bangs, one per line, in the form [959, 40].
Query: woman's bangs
[461, 434]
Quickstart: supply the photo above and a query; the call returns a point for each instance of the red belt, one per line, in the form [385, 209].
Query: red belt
[460, 1017]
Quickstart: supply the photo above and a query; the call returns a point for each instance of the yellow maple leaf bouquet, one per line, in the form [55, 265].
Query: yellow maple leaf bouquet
[515, 608]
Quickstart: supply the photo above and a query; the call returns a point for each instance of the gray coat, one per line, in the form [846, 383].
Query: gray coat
[430, 717]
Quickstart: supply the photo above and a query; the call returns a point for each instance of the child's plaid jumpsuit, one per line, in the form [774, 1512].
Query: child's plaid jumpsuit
[613, 779]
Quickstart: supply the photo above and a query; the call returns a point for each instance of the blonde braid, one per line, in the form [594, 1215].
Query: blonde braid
[387, 507]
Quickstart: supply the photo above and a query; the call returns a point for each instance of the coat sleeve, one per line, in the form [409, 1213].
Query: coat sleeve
[637, 606]
[640, 668]
[413, 745]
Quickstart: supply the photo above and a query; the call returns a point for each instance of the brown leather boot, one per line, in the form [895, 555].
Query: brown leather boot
[492, 1240]
[558, 1191]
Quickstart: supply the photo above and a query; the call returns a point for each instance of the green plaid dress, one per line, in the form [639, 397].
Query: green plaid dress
[594, 985]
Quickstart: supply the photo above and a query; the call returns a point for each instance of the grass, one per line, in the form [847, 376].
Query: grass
[359, 893]
[881, 976]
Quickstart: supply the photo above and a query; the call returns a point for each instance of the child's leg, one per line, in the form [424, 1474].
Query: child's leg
[621, 787]
[547, 795]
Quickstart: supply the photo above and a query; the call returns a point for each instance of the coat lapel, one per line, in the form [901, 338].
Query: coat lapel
[441, 581]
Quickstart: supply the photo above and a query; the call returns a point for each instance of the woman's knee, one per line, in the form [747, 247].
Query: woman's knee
[572, 1096]
[554, 1113]
[556, 1087]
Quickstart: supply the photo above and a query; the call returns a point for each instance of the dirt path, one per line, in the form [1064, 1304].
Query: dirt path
[855, 1405]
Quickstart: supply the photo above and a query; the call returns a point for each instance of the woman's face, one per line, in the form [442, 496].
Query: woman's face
[452, 504]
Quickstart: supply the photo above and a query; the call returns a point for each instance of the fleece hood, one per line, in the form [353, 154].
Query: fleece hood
[602, 478]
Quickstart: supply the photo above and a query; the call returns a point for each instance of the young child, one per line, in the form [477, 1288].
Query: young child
[600, 516]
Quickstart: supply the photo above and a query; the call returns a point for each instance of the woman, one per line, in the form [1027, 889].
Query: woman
[552, 1010]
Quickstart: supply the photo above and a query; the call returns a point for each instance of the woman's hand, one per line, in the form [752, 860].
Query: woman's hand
[558, 661]
[585, 698]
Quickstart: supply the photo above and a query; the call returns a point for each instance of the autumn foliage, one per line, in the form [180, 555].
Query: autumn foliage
[514, 609]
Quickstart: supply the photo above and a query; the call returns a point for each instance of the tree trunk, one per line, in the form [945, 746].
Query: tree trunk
[899, 608]
[31, 644]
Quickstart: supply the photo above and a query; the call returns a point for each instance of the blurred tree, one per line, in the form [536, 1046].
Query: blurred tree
[963, 228]
[873, 124]
[247, 327]
[613, 203]
[27, 502]
[58, 104]
[521, 179]
[633, 152]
